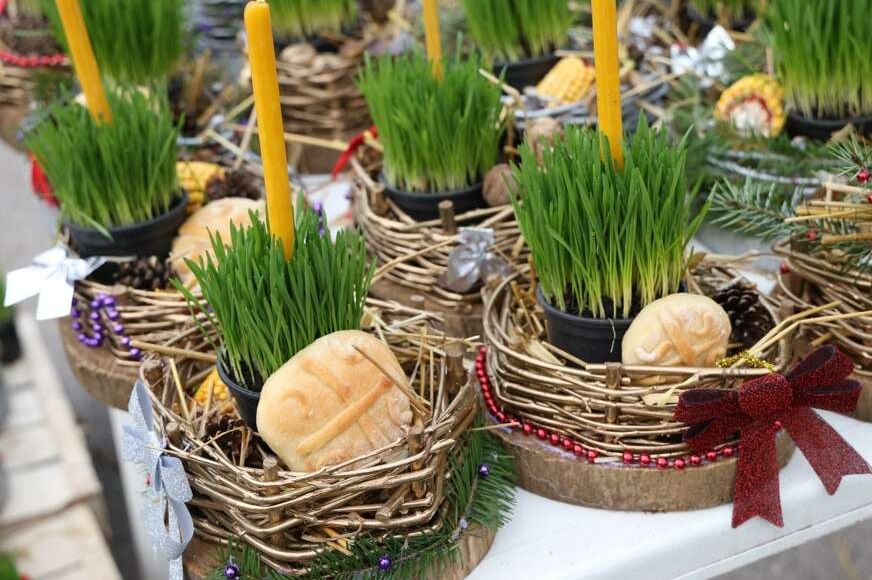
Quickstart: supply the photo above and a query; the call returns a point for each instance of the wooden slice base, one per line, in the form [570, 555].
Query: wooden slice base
[101, 374]
[461, 321]
[199, 559]
[558, 475]
[864, 405]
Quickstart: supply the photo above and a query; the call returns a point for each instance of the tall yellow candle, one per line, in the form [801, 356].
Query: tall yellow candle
[433, 36]
[84, 62]
[270, 130]
[608, 84]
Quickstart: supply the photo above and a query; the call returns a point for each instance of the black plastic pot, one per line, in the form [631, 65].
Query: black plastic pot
[424, 205]
[246, 399]
[526, 72]
[593, 340]
[151, 238]
[10, 347]
[823, 128]
[708, 21]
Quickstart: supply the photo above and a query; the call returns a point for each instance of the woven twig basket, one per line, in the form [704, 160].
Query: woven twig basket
[320, 98]
[813, 281]
[417, 252]
[289, 518]
[599, 434]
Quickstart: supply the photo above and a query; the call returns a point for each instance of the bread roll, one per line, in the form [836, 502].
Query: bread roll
[193, 242]
[677, 330]
[329, 404]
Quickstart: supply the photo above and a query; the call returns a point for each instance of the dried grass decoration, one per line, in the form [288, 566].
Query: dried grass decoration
[603, 435]
[429, 514]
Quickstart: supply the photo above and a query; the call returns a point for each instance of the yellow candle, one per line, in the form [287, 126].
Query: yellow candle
[608, 85]
[270, 129]
[432, 35]
[83, 59]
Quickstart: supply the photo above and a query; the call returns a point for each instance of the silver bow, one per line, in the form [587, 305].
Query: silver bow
[169, 522]
[52, 276]
[471, 260]
[707, 61]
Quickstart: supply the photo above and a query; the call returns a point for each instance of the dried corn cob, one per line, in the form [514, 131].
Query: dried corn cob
[754, 105]
[568, 82]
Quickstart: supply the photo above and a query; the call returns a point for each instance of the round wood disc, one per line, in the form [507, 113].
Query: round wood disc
[200, 556]
[101, 374]
[864, 405]
[461, 320]
[553, 473]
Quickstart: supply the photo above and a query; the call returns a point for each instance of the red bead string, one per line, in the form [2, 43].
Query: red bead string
[22, 61]
[575, 447]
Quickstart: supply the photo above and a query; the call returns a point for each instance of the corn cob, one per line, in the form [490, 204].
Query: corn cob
[568, 82]
[194, 176]
[220, 393]
[754, 105]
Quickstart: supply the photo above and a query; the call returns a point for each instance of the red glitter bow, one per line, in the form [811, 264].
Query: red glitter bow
[759, 409]
[355, 142]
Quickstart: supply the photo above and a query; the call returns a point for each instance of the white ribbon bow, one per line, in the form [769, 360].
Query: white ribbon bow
[169, 522]
[52, 276]
[707, 61]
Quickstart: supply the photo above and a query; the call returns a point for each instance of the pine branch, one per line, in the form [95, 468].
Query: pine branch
[753, 208]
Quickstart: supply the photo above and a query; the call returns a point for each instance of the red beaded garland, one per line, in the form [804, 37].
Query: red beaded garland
[570, 445]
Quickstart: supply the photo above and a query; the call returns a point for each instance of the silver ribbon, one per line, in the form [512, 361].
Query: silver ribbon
[52, 276]
[707, 61]
[169, 522]
[471, 260]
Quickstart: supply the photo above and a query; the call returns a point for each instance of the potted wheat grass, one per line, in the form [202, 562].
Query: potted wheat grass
[519, 36]
[605, 242]
[311, 18]
[822, 56]
[736, 14]
[266, 309]
[116, 183]
[440, 136]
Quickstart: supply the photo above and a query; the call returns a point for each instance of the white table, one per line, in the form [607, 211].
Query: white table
[548, 540]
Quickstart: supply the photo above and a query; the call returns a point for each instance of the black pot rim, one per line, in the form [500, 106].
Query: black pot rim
[526, 61]
[589, 321]
[231, 381]
[176, 207]
[431, 194]
[829, 121]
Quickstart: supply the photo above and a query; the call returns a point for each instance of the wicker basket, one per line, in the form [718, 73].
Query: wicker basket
[155, 321]
[813, 281]
[289, 518]
[17, 70]
[415, 254]
[320, 98]
[598, 434]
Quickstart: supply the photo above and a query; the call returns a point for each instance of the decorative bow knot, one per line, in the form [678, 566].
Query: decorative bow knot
[169, 522]
[759, 409]
[471, 260]
[52, 276]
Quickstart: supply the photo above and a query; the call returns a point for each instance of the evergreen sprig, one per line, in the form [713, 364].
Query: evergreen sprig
[437, 135]
[310, 17]
[471, 498]
[135, 41]
[110, 174]
[509, 30]
[753, 208]
[606, 241]
[822, 55]
[266, 308]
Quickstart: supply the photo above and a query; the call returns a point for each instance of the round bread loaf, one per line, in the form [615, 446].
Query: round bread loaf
[330, 404]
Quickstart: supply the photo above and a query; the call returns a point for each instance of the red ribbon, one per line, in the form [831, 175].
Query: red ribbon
[759, 409]
[355, 142]
[39, 181]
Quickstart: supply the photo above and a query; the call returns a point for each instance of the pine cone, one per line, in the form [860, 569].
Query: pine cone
[236, 183]
[145, 273]
[231, 443]
[749, 317]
